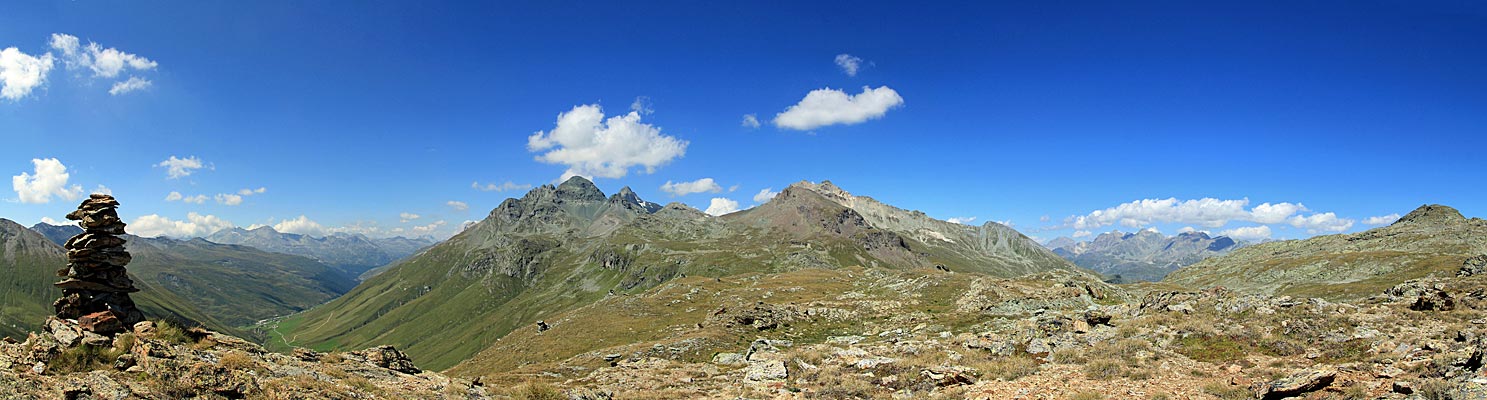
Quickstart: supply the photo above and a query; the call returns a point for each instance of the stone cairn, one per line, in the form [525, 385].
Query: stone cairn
[96, 291]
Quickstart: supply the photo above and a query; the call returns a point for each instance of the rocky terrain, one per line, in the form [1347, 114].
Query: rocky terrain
[1432, 240]
[353, 254]
[1144, 256]
[160, 361]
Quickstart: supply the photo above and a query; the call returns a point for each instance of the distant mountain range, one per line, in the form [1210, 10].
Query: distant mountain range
[354, 254]
[1431, 240]
[225, 287]
[1146, 255]
[562, 247]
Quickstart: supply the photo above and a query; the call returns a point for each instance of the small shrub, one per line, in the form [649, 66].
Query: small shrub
[1010, 368]
[537, 391]
[1102, 370]
[82, 358]
[1226, 391]
[1088, 396]
[235, 360]
[171, 333]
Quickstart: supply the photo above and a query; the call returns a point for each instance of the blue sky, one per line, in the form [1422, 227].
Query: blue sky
[351, 114]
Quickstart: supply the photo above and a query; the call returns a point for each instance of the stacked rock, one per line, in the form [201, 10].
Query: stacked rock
[96, 291]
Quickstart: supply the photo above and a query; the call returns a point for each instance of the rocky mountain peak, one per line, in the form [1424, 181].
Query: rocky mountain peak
[1434, 214]
[628, 199]
[579, 188]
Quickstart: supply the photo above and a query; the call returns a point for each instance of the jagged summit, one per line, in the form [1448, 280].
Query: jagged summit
[628, 199]
[579, 188]
[1431, 214]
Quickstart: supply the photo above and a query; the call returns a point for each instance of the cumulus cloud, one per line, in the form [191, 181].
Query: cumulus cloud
[457, 205]
[822, 107]
[704, 185]
[642, 105]
[720, 206]
[750, 121]
[104, 62]
[50, 221]
[593, 146]
[1080, 234]
[103, 190]
[195, 225]
[1247, 233]
[229, 199]
[1275, 213]
[301, 225]
[176, 168]
[492, 187]
[1324, 222]
[765, 195]
[134, 83]
[1208, 212]
[250, 192]
[48, 178]
[848, 63]
[405, 217]
[177, 196]
[21, 72]
[428, 229]
[962, 220]
[1381, 220]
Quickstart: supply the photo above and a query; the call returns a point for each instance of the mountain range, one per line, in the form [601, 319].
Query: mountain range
[1431, 240]
[224, 287]
[563, 247]
[1146, 255]
[354, 254]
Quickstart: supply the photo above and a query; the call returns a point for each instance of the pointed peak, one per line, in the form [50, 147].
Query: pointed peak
[579, 188]
[1431, 214]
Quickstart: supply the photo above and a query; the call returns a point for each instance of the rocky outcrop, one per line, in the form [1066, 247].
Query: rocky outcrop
[96, 291]
[163, 362]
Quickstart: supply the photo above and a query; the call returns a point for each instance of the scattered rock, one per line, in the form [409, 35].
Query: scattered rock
[766, 371]
[1438, 301]
[388, 357]
[1297, 384]
[1473, 266]
[729, 359]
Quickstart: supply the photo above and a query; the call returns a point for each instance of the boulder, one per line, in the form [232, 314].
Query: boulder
[1437, 301]
[766, 371]
[1297, 384]
[390, 358]
[103, 322]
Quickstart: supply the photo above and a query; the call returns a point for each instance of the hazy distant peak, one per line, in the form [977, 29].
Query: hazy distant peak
[1431, 214]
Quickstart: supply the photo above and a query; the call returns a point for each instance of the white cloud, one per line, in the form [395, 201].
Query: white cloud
[592, 146]
[103, 190]
[1208, 212]
[849, 63]
[642, 105]
[1151, 229]
[704, 185]
[1381, 220]
[50, 221]
[134, 83]
[405, 217]
[961, 220]
[1187, 229]
[177, 196]
[229, 199]
[1080, 234]
[1247, 233]
[301, 225]
[176, 168]
[250, 192]
[765, 195]
[750, 121]
[720, 206]
[48, 178]
[428, 229]
[1324, 222]
[822, 107]
[1007, 222]
[21, 72]
[106, 63]
[1275, 213]
[491, 187]
[173, 196]
[1044, 218]
[457, 205]
[195, 225]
